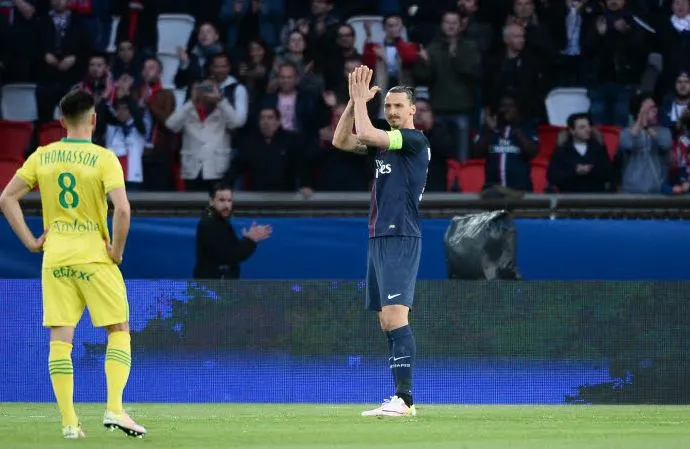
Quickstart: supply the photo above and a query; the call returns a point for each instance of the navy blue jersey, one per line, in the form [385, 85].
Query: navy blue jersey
[399, 184]
[506, 164]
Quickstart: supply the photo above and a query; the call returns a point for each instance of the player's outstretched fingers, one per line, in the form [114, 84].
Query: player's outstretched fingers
[359, 74]
[367, 77]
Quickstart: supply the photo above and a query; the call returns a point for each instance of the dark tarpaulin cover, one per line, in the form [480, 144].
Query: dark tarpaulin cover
[482, 247]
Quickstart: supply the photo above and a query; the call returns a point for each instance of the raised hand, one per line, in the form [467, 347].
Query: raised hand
[359, 81]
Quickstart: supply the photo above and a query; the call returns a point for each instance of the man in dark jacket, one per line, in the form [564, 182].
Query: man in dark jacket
[219, 251]
[581, 163]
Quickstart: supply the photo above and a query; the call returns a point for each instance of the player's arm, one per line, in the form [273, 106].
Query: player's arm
[12, 210]
[121, 221]
[343, 138]
[367, 134]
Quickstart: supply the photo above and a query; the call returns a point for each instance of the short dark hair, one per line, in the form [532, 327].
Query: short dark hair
[409, 91]
[391, 16]
[572, 118]
[221, 54]
[273, 109]
[217, 187]
[156, 60]
[99, 54]
[75, 104]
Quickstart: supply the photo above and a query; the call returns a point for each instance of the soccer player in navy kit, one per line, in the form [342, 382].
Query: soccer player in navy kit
[402, 160]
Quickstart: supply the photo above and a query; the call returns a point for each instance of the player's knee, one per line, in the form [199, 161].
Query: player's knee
[65, 334]
[119, 327]
[393, 317]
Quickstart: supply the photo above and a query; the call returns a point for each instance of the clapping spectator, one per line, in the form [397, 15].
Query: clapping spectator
[157, 105]
[234, 92]
[643, 148]
[616, 50]
[393, 59]
[679, 174]
[272, 159]
[255, 70]
[673, 109]
[297, 54]
[205, 122]
[193, 62]
[580, 163]
[126, 61]
[63, 46]
[300, 111]
[508, 143]
[442, 141]
[516, 71]
[451, 67]
[333, 62]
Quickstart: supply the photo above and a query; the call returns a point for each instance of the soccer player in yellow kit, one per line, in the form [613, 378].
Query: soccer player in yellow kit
[80, 265]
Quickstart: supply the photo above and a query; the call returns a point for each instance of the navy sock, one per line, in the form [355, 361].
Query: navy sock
[404, 349]
[390, 356]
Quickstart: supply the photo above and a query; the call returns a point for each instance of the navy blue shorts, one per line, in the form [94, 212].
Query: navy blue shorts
[392, 267]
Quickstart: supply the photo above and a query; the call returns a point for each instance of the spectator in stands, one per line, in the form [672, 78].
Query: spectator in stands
[340, 171]
[20, 38]
[322, 22]
[205, 121]
[233, 91]
[472, 27]
[674, 108]
[272, 159]
[127, 62]
[298, 54]
[125, 136]
[678, 182]
[219, 252]
[249, 20]
[451, 67]
[255, 70]
[422, 18]
[99, 81]
[300, 111]
[508, 143]
[442, 141]
[333, 62]
[516, 71]
[674, 39]
[616, 50]
[63, 45]
[643, 148]
[538, 39]
[138, 23]
[342, 95]
[193, 62]
[391, 60]
[571, 23]
[580, 163]
[157, 104]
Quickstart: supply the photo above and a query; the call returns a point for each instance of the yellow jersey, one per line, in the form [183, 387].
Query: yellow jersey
[74, 176]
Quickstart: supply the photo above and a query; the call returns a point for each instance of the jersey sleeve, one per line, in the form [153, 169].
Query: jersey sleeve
[112, 174]
[409, 140]
[29, 170]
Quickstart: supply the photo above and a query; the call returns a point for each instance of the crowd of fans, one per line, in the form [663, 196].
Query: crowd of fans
[265, 84]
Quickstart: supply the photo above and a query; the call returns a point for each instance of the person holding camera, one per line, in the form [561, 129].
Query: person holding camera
[205, 121]
[508, 143]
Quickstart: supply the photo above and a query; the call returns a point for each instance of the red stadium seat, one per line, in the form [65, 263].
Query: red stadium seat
[548, 138]
[472, 176]
[453, 175]
[538, 175]
[15, 138]
[50, 132]
[611, 135]
[7, 171]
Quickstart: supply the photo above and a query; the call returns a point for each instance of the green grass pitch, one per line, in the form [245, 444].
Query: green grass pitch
[209, 426]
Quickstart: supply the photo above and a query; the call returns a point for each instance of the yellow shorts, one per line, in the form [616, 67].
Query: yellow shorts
[98, 286]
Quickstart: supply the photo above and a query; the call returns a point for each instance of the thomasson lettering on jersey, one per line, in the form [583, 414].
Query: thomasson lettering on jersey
[70, 156]
[76, 226]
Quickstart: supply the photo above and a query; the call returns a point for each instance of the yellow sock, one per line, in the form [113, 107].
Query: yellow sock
[118, 359]
[62, 378]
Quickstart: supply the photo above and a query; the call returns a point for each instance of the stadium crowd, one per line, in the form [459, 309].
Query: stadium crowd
[546, 95]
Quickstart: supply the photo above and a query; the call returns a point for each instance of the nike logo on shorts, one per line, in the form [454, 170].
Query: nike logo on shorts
[394, 296]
